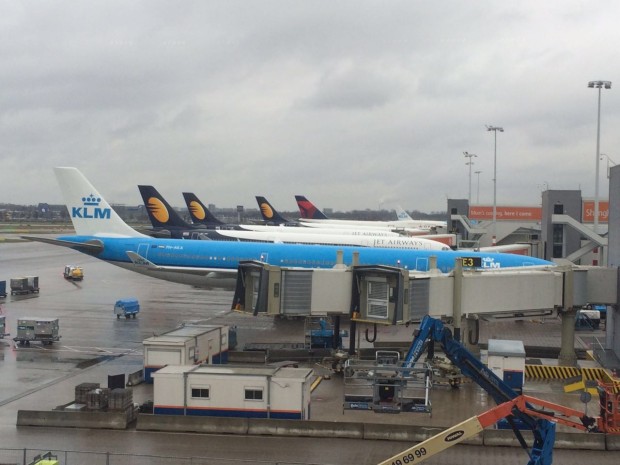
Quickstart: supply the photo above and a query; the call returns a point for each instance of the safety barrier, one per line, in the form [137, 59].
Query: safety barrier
[550, 372]
[565, 373]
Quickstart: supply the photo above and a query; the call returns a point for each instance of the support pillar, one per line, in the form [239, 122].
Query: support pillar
[567, 356]
[457, 304]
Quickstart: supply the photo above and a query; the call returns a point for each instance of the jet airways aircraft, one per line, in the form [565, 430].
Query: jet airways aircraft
[311, 214]
[280, 235]
[340, 231]
[200, 214]
[101, 233]
[270, 215]
[165, 220]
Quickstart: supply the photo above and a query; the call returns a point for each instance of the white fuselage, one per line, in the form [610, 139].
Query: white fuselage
[398, 242]
[352, 231]
[409, 224]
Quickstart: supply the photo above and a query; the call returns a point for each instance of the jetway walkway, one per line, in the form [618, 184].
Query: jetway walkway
[394, 296]
[369, 296]
[595, 240]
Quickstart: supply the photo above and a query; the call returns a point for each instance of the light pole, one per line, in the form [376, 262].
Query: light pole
[495, 129]
[598, 85]
[470, 162]
[478, 187]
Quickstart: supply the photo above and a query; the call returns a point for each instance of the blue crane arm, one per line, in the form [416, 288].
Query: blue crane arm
[431, 330]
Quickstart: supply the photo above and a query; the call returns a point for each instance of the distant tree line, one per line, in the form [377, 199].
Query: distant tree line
[137, 214]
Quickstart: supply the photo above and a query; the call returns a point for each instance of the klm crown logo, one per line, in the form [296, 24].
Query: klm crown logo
[91, 209]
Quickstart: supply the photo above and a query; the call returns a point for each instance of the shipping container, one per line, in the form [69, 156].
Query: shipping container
[233, 391]
[44, 330]
[187, 345]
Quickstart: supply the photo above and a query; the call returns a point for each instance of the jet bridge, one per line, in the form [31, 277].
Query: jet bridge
[392, 296]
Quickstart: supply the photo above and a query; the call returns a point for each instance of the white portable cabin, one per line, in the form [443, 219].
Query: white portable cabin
[187, 345]
[507, 360]
[233, 391]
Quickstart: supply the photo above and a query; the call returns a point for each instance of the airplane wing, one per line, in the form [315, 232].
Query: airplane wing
[93, 246]
[139, 260]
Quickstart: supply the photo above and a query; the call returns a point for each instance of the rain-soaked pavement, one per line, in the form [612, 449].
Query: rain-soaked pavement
[95, 343]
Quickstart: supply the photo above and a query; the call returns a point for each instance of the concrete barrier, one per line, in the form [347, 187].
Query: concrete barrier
[318, 429]
[407, 433]
[192, 424]
[100, 420]
[612, 441]
[247, 357]
[582, 441]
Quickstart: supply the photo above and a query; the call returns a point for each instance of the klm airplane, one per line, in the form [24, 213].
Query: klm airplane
[101, 233]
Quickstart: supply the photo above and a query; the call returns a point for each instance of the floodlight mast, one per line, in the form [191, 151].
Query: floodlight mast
[495, 129]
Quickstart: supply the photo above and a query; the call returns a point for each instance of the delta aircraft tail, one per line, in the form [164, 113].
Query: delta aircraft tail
[308, 210]
[198, 211]
[270, 214]
[90, 213]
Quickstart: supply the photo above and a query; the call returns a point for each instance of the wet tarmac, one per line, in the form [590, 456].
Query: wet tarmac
[95, 343]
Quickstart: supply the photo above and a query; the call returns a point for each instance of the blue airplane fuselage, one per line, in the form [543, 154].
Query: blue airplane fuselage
[225, 256]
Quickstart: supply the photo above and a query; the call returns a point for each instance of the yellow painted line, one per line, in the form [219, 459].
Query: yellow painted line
[316, 383]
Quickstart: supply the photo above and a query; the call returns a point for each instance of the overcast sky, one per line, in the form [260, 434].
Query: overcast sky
[355, 104]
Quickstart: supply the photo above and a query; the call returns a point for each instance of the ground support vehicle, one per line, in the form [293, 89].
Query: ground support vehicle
[520, 411]
[73, 273]
[44, 330]
[385, 385]
[3, 327]
[2, 288]
[588, 319]
[128, 308]
[45, 459]
[25, 285]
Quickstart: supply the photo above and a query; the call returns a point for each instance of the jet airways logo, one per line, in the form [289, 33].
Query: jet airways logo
[197, 211]
[91, 209]
[158, 210]
[266, 209]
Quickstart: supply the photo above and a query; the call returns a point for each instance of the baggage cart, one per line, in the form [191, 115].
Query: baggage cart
[30, 329]
[128, 308]
[3, 327]
[25, 285]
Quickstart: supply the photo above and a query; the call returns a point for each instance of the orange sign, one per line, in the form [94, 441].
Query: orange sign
[506, 213]
[587, 211]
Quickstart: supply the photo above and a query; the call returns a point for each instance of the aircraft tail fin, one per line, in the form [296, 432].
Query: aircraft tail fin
[160, 212]
[402, 215]
[308, 210]
[269, 214]
[90, 213]
[198, 211]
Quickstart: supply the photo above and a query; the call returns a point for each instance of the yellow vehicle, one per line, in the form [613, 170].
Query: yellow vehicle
[73, 273]
[45, 459]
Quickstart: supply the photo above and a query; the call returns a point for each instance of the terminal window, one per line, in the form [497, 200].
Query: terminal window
[253, 394]
[202, 393]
